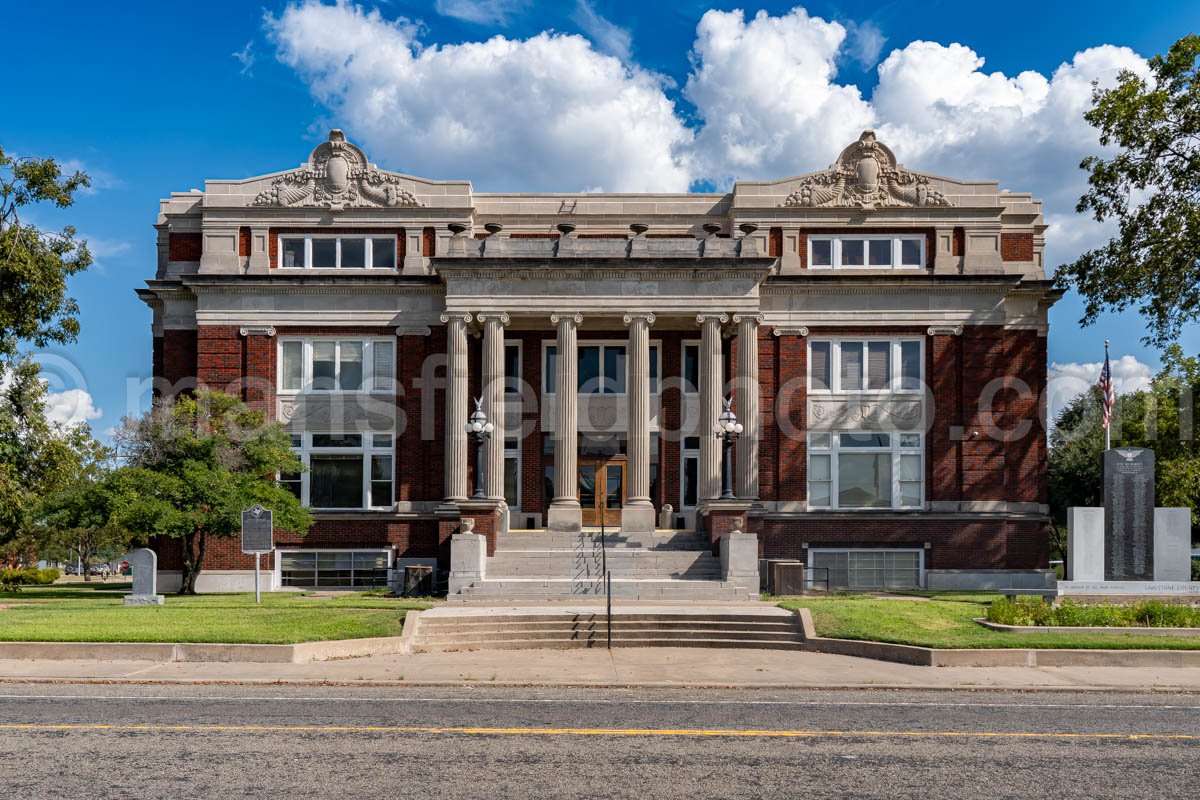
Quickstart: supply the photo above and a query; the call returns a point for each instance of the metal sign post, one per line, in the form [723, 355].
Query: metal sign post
[258, 537]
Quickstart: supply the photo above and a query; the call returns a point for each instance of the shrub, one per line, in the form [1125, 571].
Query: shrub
[11, 580]
[1070, 613]
[1196, 569]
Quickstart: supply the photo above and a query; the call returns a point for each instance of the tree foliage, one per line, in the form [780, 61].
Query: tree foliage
[1160, 419]
[37, 457]
[194, 464]
[35, 264]
[1152, 188]
[78, 521]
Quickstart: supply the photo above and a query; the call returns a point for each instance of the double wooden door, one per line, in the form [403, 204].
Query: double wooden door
[602, 489]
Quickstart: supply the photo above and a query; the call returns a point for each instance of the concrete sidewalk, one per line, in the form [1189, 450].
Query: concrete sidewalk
[627, 667]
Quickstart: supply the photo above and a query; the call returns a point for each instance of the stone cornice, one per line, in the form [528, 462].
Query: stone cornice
[324, 289]
[610, 269]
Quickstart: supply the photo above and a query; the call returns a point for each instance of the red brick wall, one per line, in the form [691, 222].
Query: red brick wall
[956, 542]
[775, 243]
[988, 380]
[412, 539]
[428, 242]
[958, 244]
[1016, 247]
[175, 358]
[184, 246]
[244, 241]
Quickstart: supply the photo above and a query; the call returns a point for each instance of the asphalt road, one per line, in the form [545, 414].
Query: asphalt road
[128, 741]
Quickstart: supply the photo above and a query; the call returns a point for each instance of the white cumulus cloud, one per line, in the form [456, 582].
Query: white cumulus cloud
[1068, 380]
[71, 406]
[551, 113]
[547, 113]
[766, 94]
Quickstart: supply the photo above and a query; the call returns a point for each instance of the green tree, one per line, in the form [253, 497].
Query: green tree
[1151, 187]
[1159, 419]
[78, 520]
[35, 264]
[36, 456]
[194, 464]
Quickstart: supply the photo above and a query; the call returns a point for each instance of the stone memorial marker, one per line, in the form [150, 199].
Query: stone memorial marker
[1128, 514]
[144, 564]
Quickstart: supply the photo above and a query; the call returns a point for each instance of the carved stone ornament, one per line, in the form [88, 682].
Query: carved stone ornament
[865, 176]
[337, 176]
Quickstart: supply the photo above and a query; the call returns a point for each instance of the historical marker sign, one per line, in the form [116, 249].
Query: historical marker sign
[1129, 514]
[258, 530]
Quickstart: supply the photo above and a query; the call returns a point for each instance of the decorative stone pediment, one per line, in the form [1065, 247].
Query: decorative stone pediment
[337, 176]
[865, 176]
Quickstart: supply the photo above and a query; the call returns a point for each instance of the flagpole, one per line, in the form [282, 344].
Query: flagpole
[1108, 427]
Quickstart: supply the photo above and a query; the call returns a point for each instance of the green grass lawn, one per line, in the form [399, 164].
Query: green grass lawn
[95, 613]
[944, 620]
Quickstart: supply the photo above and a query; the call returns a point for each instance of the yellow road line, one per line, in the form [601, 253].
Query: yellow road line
[662, 732]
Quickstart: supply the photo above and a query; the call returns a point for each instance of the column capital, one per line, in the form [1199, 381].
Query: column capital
[756, 318]
[494, 316]
[718, 318]
[945, 330]
[457, 316]
[790, 330]
[635, 316]
[565, 316]
[257, 330]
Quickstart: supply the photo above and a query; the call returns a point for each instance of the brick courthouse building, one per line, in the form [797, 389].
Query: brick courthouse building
[880, 333]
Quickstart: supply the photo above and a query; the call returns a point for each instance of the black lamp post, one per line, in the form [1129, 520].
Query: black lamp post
[728, 429]
[479, 427]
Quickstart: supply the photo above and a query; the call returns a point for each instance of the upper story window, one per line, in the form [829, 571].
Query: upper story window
[870, 365]
[512, 369]
[866, 252]
[337, 365]
[331, 251]
[690, 367]
[602, 368]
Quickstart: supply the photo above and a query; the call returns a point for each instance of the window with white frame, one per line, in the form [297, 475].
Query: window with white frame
[602, 368]
[345, 470]
[866, 252]
[865, 365]
[865, 470]
[333, 251]
[337, 365]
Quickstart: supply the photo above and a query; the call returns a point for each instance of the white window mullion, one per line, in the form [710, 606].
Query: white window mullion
[307, 252]
[337, 253]
[369, 252]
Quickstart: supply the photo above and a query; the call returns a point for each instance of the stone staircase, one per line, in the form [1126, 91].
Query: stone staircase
[660, 566]
[730, 626]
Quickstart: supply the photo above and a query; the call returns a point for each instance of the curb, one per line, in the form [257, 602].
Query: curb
[168, 652]
[996, 626]
[485, 685]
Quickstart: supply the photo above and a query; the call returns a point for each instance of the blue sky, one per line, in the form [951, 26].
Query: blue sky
[155, 98]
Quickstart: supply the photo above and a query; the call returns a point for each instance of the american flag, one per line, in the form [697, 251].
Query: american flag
[1108, 393]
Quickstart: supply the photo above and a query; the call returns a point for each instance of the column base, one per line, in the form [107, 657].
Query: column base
[638, 518]
[564, 516]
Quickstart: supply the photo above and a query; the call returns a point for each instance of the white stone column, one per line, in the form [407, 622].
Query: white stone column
[710, 403]
[456, 406]
[748, 394]
[493, 400]
[638, 514]
[564, 513]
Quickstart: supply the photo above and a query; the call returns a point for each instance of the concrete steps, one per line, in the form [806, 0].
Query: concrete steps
[448, 629]
[544, 565]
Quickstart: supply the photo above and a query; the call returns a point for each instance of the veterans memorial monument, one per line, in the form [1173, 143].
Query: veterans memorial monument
[1128, 546]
